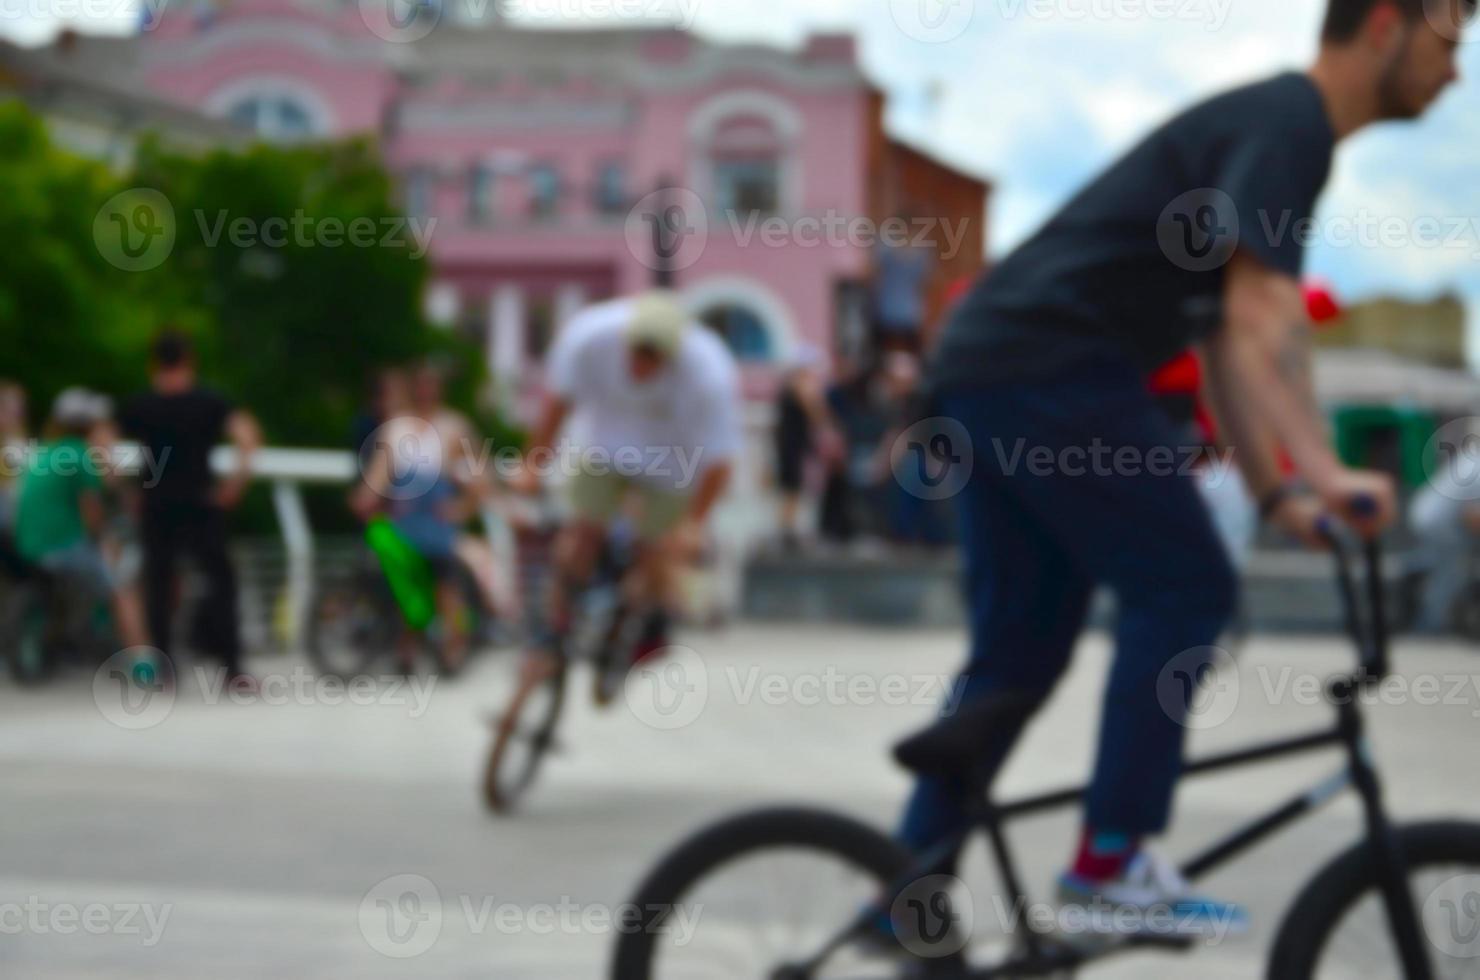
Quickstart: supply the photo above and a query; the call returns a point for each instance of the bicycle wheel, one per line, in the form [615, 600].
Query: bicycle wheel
[350, 630]
[1338, 926]
[612, 663]
[30, 653]
[522, 739]
[760, 894]
[1467, 614]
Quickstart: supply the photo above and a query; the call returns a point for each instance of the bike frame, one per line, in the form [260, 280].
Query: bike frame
[1370, 631]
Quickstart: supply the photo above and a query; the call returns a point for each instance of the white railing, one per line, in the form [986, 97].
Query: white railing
[288, 470]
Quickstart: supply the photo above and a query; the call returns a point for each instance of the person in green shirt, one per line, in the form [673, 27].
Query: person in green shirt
[60, 512]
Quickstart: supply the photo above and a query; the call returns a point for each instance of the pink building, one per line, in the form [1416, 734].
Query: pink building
[535, 149]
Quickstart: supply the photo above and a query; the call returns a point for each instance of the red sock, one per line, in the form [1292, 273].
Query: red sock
[1103, 855]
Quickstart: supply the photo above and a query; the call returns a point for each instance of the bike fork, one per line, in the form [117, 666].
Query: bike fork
[1392, 864]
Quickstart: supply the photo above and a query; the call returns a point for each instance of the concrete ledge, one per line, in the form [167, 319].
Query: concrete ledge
[1283, 591]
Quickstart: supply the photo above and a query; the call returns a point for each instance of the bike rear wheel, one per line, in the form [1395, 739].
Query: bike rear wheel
[761, 894]
[351, 630]
[30, 649]
[523, 737]
[1338, 926]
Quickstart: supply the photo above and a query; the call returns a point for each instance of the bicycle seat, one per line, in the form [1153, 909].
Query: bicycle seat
[955, 744]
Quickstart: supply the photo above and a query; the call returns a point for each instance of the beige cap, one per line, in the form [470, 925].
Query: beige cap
[659, 320]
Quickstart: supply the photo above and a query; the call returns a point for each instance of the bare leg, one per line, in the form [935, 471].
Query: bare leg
[128, 613]
[450, 608]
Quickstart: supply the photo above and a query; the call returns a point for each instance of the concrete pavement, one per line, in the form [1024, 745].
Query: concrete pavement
[270, 839]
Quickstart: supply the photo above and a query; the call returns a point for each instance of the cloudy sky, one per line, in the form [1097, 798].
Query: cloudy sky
[1039, 94]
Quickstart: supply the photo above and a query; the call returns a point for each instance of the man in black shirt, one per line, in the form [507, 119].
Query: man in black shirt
[1194, 237]
[178, 423]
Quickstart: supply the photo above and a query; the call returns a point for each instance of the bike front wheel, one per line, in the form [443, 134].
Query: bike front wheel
[522, 739]
[1338, 928]
[788, 894]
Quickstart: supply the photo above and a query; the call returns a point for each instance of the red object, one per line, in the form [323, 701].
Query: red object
[1321, 304]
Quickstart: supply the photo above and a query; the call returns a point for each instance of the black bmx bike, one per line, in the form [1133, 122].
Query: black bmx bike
[794, 894]
[602, 628]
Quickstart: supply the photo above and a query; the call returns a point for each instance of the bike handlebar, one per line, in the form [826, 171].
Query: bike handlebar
[1365, 608]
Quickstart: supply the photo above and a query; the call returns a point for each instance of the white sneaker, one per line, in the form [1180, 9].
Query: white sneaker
[1151, 900]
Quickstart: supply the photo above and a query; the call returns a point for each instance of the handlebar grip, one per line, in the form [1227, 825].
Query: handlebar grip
[1364, 506]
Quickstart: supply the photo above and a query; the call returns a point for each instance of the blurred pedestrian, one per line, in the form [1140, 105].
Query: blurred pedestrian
[12, 448]
[387, 398]
[184, 508]
[804, 431]
[1445, 518]
[61, 513]
[902, 271]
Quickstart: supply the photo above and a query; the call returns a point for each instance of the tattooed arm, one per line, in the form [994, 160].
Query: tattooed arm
[1260, 372]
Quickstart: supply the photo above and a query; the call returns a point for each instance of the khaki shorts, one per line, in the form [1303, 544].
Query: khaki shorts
[599, 498]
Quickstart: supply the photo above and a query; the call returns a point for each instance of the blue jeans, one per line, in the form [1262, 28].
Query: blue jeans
[1077, 481]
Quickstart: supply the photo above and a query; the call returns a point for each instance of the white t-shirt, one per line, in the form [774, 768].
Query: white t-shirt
[664, 432]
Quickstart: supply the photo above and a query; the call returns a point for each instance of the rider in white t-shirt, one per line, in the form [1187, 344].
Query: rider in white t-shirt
[650, 404]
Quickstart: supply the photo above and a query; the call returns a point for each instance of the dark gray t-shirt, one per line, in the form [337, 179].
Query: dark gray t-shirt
[1134, 265]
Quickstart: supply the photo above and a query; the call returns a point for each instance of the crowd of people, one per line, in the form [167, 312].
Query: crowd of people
[60, 492]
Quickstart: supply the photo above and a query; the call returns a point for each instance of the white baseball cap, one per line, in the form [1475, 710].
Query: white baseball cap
[659, 321]
[79, 406]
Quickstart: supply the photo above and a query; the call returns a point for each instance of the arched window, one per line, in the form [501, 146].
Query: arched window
[274, 117]
[746, 157]
[743, 329]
